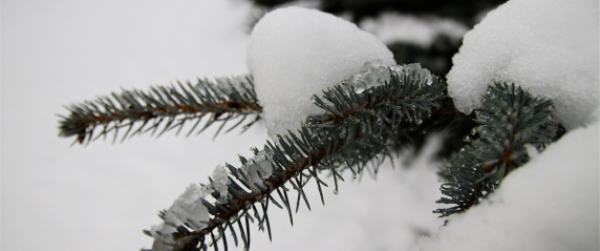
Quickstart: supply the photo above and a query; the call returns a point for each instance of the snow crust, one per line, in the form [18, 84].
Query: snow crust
[551, 203]
[549, 47]
[294, 53]
[392, 27]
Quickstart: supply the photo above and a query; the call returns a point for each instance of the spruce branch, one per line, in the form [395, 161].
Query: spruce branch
[355, 129]
[510, 120]
[168, 107]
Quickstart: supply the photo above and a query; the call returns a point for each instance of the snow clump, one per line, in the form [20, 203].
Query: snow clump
[295, 53]
[548, 47]
[221, 183]
[257, 169]
[549, 204]
[186, 210]
[189, 210]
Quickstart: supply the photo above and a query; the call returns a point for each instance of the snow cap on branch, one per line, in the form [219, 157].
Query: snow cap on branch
[548, 47]
[295, 52]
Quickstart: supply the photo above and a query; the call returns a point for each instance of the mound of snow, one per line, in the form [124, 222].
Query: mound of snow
[549, 47]
[551, 203]
[294, 53]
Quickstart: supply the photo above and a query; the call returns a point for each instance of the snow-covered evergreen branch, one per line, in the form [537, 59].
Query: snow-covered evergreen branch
[361, 121]
[222, 100]
[356, 128]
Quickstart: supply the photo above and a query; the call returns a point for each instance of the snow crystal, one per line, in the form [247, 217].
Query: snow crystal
[551, 203]
[391, 27]
[550, 48]
[258, 168]
[294, 53]
[221, 183]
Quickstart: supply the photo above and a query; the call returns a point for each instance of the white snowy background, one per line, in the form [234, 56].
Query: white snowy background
[100, 197]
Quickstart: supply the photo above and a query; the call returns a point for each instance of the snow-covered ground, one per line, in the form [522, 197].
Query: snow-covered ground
[100, 197]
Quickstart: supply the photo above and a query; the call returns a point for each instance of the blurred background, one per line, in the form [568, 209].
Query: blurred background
[58, 196]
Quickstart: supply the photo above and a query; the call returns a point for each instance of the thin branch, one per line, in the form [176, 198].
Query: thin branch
[167, 107]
